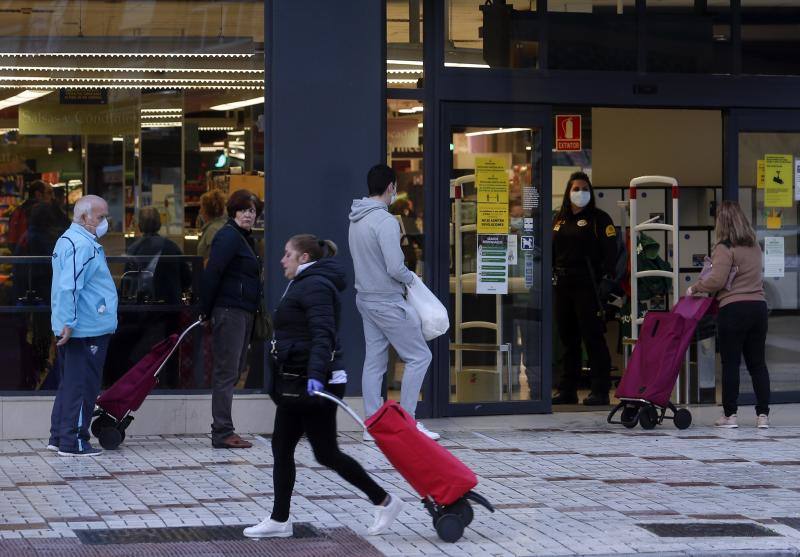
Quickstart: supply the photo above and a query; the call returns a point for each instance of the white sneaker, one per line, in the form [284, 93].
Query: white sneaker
[385, 515]
[53, 448]
[762, 421]
[728, 422]
[431, 434]
[368, 438]
[269, 528]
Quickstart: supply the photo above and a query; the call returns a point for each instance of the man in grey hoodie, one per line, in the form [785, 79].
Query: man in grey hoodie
[381, 280]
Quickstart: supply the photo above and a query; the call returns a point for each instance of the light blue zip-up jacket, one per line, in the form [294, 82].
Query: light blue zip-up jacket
[83, 296]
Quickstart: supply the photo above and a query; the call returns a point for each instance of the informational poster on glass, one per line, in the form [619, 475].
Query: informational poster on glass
[491, 182]
[492, 264]
[774, 260]
[760, 174]
[779, 180]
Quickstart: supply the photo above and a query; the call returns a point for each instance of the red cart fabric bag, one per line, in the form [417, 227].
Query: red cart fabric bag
[430, 468]
[129, 392]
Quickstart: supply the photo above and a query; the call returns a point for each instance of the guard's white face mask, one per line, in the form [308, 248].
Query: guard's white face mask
[580, 198]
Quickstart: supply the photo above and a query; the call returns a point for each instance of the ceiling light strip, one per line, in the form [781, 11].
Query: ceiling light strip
[146, 80]
[239, 104]
[129, 54]
[124, 69]
[157, 110]
[136, 86]
[405, 62]
[498, 130]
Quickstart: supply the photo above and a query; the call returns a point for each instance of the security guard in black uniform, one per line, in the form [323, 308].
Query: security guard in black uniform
[584, 258]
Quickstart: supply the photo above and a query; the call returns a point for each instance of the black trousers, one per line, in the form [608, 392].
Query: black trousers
[743, 331]
[580, 319]
[317, 419]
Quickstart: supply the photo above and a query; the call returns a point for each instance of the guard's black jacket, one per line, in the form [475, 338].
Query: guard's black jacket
[587, 234]
[306, 321]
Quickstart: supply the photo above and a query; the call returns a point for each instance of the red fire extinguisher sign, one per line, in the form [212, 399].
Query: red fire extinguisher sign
[568, 132]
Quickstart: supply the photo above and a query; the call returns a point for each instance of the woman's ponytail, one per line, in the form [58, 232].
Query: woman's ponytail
[315, 248]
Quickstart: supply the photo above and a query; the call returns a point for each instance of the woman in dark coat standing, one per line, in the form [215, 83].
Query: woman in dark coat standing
[584, 257]
[230, 295]
[307, 343]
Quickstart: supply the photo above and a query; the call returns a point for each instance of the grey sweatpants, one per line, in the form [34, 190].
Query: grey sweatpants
[395, 323]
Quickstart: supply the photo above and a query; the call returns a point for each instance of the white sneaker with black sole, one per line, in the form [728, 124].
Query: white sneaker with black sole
[269, 528]
[385, 515]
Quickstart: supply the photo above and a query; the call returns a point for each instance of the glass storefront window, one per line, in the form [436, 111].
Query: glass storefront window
[686, 37]
[404, 44]
[479, 34]
[773, 207]
[141, 103]
[770, 39]
[594, 35]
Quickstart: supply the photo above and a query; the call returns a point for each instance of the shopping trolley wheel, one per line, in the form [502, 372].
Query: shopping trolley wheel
[463, 509]
[450, 528]
[110, 438]
[629, 416]
[683, 418]
[648, 417]
[101, 422]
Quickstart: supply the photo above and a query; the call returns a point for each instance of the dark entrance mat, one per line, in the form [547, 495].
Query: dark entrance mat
[179, 534]
[792, 522]
[333, 542]
[715, 530]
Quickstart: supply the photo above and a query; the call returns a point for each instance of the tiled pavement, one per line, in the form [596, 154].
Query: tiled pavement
[566, 488]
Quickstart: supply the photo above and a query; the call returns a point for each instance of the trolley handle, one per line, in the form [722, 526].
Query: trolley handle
[177, 344]
[652, 180]
[342, 404]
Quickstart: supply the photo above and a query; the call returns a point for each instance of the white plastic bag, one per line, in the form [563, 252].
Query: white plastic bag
[432, 313]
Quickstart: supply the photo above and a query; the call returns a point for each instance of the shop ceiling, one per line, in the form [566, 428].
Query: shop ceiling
[149, 45]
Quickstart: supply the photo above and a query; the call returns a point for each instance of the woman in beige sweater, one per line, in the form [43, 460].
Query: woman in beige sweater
[742, 320]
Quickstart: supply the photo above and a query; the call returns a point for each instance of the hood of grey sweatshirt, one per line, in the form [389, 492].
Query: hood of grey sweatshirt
[378, 261]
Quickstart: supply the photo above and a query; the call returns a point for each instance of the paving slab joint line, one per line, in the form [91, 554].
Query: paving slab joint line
[789, 552]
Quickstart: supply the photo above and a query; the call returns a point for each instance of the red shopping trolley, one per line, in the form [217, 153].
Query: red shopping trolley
[442, 481]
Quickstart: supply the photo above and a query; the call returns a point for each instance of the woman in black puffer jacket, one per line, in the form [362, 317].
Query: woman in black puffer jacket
[307, 343]
[229, 298]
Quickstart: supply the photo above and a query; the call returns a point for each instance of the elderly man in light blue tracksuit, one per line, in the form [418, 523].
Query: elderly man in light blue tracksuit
[83, 317]
[381, 280]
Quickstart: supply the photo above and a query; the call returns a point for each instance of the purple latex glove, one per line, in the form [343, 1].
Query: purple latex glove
[314, 386]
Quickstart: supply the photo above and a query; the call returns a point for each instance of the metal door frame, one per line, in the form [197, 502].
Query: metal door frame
[438, 221]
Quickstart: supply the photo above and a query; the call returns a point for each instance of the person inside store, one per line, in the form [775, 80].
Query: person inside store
[230, 294]
[307, 350]
[584, 259]
[83, 318]
[736, 280]
[38, 192]
[151, 281]
[32, 286]
[212, 213]
[59, 209]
